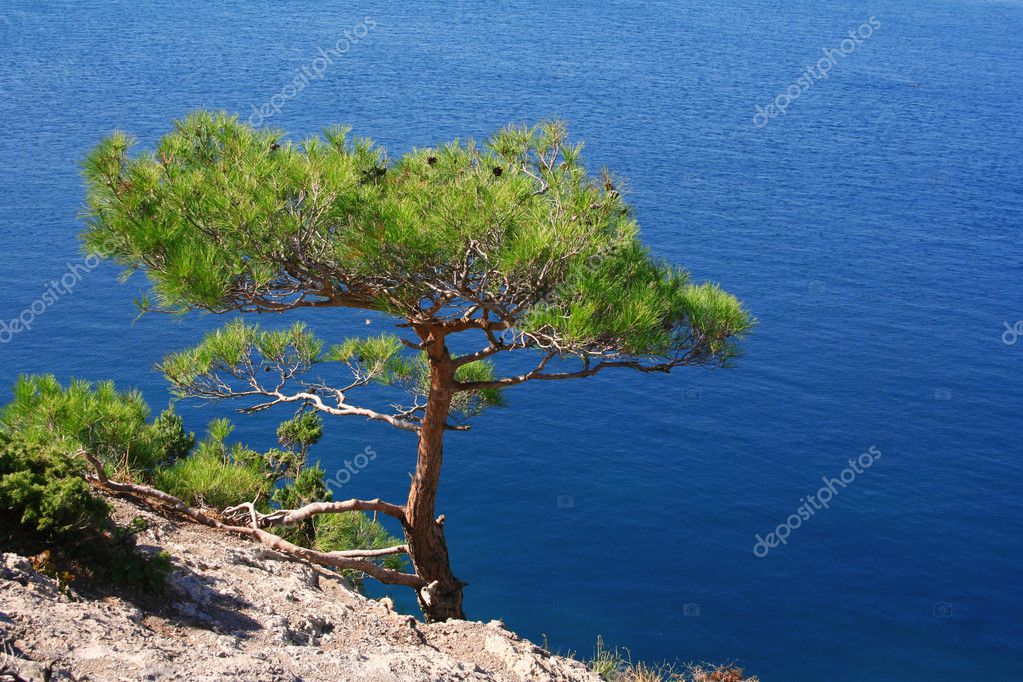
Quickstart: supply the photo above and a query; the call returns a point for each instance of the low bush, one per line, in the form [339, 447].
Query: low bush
[616, 665]
[216, 475]
[108, 423]
[46, 506]
[206, 480]
[45, 497]
[352, 529]
[42, 491]
[355, 530]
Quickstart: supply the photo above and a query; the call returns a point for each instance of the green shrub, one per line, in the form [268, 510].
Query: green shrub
[44, 495]
[303, 430]
[351, 530]
[217, 475]
[355, 530]
[309, 485]
[110, 424]
[46, 503]
[169, 434]
[206, 480]
[42, 490]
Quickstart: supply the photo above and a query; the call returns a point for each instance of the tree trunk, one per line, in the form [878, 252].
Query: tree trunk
[424, 534]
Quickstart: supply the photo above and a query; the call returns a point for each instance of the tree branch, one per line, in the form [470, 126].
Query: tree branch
[539, 375]
[344, 560]
[292, 517]
[367, 553]
[341, 410]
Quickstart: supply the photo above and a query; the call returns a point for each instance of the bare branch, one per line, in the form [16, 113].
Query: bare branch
[538, 374]
[291, 517]
[341, 410]
[370, 553]
[342, 560]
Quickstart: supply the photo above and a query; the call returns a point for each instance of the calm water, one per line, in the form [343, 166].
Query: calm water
[874, 229]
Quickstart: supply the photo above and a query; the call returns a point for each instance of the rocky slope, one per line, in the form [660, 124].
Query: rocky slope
[236, 611]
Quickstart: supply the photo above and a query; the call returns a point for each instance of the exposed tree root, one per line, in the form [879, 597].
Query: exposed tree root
[357, 560]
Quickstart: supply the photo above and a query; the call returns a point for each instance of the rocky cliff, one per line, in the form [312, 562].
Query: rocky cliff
[233, 610]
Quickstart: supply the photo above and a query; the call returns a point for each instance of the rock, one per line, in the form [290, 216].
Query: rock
[237, 611]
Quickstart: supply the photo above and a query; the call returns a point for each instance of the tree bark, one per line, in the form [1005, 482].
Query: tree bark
[442, 598]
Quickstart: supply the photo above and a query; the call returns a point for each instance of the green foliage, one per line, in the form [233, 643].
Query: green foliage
[623, 299]
[170, 433]
[373, 355]
[239, 354]
[251, 186]
[237, 346]
[331, 532]
[302, 431]
[380, 359]
[307, 486]
[45, 501]
[223, 216]
[470, 403]
[207, 480]
[43, 491]
[110, 424]
[44, 495]
[355, 530]
[217, 475]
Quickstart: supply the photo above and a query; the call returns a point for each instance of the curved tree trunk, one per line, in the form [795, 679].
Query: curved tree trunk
[424, 534]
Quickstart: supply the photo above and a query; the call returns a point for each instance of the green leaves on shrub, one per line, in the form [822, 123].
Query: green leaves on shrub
[355, 530]
[97, 417]
[45, 496]
[205, 480]
[217, 475]
[45, 501]
[302, 431]
[42, 490]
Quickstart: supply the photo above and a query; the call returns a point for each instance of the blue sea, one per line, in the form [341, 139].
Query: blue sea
[873, 228]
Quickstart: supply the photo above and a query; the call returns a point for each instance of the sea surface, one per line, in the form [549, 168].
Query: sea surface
[874, 229]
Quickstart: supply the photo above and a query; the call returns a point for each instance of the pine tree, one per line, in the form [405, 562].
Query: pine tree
[505, 248]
